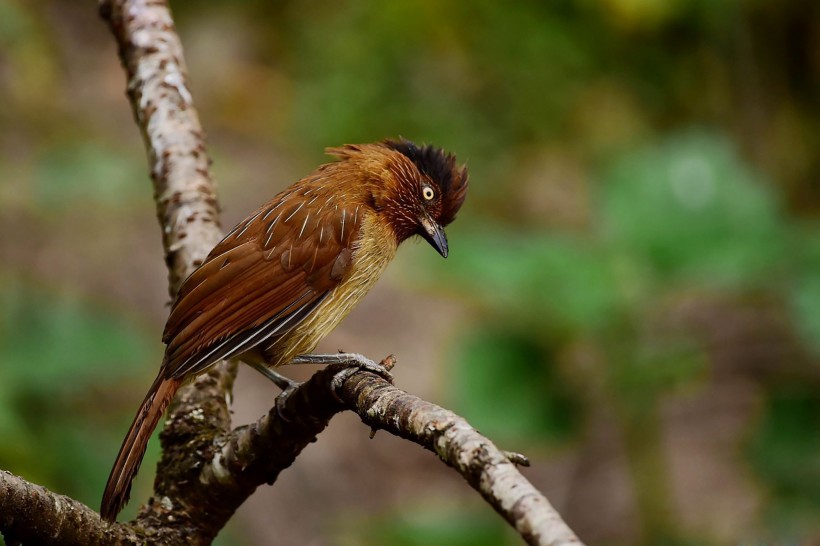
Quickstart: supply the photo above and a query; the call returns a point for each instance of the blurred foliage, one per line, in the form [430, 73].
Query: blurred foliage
[683, 216]
[689, 211]
[644, 172]
[786, 453]
[85, 174]
[56, 349]
[422, 527]
[510, 370]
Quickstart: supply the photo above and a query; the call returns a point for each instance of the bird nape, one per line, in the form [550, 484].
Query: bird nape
[285, 276]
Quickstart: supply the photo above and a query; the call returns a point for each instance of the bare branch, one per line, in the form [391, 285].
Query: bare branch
[237, 468]
[151, 55]
[187, 209]
[31, 514]
[486, 468]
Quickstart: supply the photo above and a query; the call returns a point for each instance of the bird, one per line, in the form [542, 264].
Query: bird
[288, 274]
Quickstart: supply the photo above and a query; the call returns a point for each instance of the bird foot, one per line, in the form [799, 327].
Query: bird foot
[353, 363]
[282, 398]
[380, 369]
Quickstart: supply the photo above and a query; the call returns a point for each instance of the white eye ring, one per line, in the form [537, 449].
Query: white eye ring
[428, 193]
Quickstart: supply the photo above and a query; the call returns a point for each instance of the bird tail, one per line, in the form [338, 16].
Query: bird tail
[118, 488]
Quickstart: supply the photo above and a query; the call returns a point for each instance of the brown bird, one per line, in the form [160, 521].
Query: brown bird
[284, 277]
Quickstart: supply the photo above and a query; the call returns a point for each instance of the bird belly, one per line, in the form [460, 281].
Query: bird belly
[374, 250]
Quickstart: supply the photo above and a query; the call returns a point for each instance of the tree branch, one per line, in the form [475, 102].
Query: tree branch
[187, 210]
[237, 469]
[487, 469]
[31, 514]
[255, 454]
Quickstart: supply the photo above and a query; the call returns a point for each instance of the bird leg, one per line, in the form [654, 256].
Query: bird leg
[354, 361]
[280, 380]
[286, 384]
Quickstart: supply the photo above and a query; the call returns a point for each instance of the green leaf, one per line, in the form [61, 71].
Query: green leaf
[564, 284]
[54, 341]
[56, 349]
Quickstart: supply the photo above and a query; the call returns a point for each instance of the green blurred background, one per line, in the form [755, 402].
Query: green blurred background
[632, 297]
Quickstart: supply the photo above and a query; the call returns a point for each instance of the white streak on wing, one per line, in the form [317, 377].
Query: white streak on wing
[279, 204]
[244, 345]
[244, 225]
[315, 253]
[342, 234]
[321, 232]
[327, 202]
[270, 227]
[295, 211]
[301, 231]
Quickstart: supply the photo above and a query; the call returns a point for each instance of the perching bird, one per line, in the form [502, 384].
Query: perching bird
[284, 277]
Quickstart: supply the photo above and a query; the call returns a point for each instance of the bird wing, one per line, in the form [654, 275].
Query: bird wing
[261, 280]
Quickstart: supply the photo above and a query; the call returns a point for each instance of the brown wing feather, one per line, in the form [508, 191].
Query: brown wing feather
[261, 280]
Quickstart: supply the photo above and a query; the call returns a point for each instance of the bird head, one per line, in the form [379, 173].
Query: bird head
[417, 189]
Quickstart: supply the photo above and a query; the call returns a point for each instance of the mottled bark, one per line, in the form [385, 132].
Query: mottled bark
[31, 514]
[487, 469]
[187, 210]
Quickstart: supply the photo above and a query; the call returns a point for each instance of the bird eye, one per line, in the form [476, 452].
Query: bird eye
[428, 193]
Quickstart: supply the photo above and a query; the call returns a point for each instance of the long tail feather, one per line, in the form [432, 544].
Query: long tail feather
[118, 488]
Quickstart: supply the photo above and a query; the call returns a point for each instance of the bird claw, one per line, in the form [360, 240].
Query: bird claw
[282, 398]
[285, 383]
[356, 363]
[353, 363]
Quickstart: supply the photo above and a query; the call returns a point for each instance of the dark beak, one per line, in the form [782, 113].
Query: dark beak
[434, 234]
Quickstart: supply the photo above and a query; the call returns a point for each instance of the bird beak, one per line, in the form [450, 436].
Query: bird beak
[434, 234]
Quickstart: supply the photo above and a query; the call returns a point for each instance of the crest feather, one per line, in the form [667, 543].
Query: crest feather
[441, 168]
